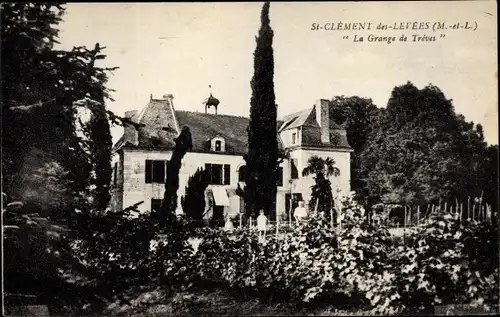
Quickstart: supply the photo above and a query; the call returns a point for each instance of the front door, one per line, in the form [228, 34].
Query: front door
[218, 216]
[294, 200]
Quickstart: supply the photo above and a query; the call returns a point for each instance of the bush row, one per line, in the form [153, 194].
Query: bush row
[443, 262]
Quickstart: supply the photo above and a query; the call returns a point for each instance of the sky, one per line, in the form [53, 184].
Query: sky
[182, 48]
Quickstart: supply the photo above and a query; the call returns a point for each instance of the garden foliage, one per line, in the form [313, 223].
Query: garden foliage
[362, 265]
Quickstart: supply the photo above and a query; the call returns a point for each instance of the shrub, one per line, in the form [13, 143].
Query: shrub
[37, 253]
[361, 265]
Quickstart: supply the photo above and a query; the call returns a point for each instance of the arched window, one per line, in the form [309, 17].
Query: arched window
[242, 174]
[218, 144]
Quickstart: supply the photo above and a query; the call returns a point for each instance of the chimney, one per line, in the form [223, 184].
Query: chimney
[130, 133]
[323, 119]
[168, 97]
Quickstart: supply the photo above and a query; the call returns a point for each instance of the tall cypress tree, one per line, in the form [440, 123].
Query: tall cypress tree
[262, 156]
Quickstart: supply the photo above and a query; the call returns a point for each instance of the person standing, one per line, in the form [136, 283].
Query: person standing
[262, 225]
[228, 226]
[300, 213]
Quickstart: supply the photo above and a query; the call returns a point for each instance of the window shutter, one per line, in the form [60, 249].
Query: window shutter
[166, 168]
[158, 171]
[227, 174]
[149, 171]
[280, 176]
[208, 169]
[295, 172]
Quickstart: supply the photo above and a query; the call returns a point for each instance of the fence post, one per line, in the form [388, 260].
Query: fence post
[473, 210]
[418, 215]
[332, 225]
[468, 208]
[404, 223]
[461, 211]
[409, 217]
[277, 225]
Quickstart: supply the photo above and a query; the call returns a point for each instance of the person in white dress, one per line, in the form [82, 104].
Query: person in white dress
[262, 225]
[300, 212]
[228, 226]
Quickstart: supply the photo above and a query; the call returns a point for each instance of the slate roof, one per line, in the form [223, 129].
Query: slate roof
[161, 123]
[298, 119]
[306, 119]
[160, 128]
[205, 126]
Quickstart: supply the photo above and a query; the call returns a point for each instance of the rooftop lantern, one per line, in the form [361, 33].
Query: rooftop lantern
[211, 101]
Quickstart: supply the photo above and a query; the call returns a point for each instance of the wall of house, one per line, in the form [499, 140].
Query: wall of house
[135, 188]
[116, 201]
[286, 137]
[342, 162]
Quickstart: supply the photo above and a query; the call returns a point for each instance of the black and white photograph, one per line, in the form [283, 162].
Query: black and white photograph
[250, 158]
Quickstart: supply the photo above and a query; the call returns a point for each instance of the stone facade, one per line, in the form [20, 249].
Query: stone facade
[222, 147]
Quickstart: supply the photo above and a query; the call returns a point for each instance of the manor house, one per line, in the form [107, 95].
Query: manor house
[219, 142]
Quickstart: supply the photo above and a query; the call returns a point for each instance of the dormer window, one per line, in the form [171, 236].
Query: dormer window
[294, 138]
[217, 144]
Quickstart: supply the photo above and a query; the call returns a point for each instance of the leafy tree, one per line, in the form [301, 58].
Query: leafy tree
[193, 203]
[414, 152]
[490, 176]
[322, 193]
[54, 160]
[262, 157]
[183, 143]
[43, 90]
[358, 116]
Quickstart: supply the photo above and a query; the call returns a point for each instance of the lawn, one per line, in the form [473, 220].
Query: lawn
[216, 302]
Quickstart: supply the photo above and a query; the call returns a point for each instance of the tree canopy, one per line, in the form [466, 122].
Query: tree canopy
[44, 92]
[420, 151]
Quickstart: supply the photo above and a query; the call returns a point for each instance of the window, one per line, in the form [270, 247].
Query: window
[294, 171]
[156, 171]
[242, 174]
[115, 174]
[280, 176]
[218, 146]
[155, 205]
[218, 174]
[294, 138]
